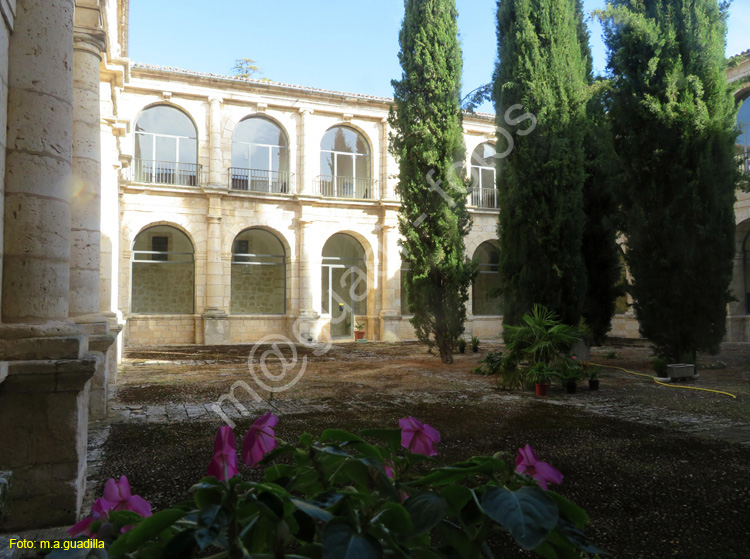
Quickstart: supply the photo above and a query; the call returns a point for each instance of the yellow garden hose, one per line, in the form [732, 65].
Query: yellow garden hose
[664, 383]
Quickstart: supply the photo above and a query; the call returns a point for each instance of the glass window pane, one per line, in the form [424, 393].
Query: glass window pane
[166, 149]
[326, 164]
[240, 156]
[188, 151]
[276, 158]
[166, 120]
[488, 178]
[144, 146]
[259, 158]
[259, 130]
[363, 167]
[344, 165]
[346, 140]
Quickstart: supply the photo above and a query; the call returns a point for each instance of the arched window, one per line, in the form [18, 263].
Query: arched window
[404, 295]
[484, 300]
[260, 156]
[166, 147]
[484, 193]
[163, 272]
[344, 283]
[258, 274]
[345, 165]
[742, 144]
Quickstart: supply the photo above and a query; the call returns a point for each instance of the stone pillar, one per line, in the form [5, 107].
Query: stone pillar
[304, 176]
[310, 258]
[215, 319]
[85, 207]
[44, 399]
[385, 191]
[390, 266]
[216, 160]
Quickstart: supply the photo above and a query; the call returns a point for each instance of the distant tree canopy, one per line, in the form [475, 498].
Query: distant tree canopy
[245, 68]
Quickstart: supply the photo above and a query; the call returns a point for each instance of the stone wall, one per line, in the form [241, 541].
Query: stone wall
[258, 289]
[162, 330]
[163, 288]
[250, 329]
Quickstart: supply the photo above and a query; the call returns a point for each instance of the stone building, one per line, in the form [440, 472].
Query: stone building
[193, 208]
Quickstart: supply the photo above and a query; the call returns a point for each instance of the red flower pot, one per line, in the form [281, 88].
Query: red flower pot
[359, 334]
[541, 388]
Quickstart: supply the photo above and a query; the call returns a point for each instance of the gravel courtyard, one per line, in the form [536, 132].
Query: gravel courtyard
[662, 471]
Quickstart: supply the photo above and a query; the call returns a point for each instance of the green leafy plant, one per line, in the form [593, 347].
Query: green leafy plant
[461, 345]
[542, 338]
[373, 495]
[570, 370]
[540, 373]
[660, 366]
[360, 326]
[474, 343]
[611, 355]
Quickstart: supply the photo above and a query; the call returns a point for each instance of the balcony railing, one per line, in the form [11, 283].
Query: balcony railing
[484, 198]
[743, 162]
[165, 172]
[346, 187]
[260, 180]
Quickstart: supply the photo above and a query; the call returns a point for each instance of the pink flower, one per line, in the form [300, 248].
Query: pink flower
[118, 494]
[389, 470]
[223, 465]
[260, 439]
[418, 437]
[528, 464]
[99, 511]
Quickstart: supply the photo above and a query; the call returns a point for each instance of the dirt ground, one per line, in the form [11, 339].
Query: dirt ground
[662, 471]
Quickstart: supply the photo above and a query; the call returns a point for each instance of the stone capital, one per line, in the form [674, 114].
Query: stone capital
[93, 41]
[215, 100]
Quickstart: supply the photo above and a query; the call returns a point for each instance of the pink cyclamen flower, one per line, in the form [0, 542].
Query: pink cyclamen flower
[118, 493]
[223, 465]
[418, 437]
[528, 464]
[260, 439]
[99, 511]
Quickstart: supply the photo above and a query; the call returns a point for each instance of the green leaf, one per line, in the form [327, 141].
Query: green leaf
[452, 474]
[457, 497]
[338, 435]
[208, 496]
[340, 541]
[528, 514]
[395, 517]
[426, 511]
[312, 510]
[180, 546]
[149, 528]
[125, 517]
[570, 510]
[392, 437]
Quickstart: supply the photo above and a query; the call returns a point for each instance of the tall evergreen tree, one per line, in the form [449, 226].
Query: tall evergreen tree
[673, 119]
[601, 255]
[427, 142]
[543, 69]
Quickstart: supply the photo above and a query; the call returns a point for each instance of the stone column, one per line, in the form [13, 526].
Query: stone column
[44, 399]
[385, 191]
[85, 207]
[308, 327]
[390, 266]
[216, 160]
[215, 319]
[304, 177]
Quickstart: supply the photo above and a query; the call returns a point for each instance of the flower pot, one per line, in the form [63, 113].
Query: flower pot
[475, 349]
[571, 386]
[461, 349]
[594, 384]
[359, 334]
[541, 388]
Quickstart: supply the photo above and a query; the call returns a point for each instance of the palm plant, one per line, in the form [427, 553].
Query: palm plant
[542, 338]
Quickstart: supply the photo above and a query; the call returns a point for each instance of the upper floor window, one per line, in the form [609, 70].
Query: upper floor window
[260, 156]
[345, 164]
[742, 144]
[166, 147]
[484, 193]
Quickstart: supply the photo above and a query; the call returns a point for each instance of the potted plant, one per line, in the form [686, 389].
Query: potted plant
[570, 372]
[593, 375]
[359, 330]
[541, 375]
[461, 345]
[474, 344]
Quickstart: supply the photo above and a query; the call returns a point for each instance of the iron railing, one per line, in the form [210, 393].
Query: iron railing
[166, 172]
[260, 180]
[484, 198]
[346, 187]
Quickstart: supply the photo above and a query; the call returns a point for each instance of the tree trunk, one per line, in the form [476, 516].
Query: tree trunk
[446, 355]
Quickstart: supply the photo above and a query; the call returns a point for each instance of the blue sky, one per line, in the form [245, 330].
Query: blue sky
[343, 45]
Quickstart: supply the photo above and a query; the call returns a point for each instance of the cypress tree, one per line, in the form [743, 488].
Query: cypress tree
[428, 143]
[601, 255]
[673, 119]
[542, 68]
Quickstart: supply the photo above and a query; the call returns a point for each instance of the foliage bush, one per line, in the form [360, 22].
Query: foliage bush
[340, 496]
